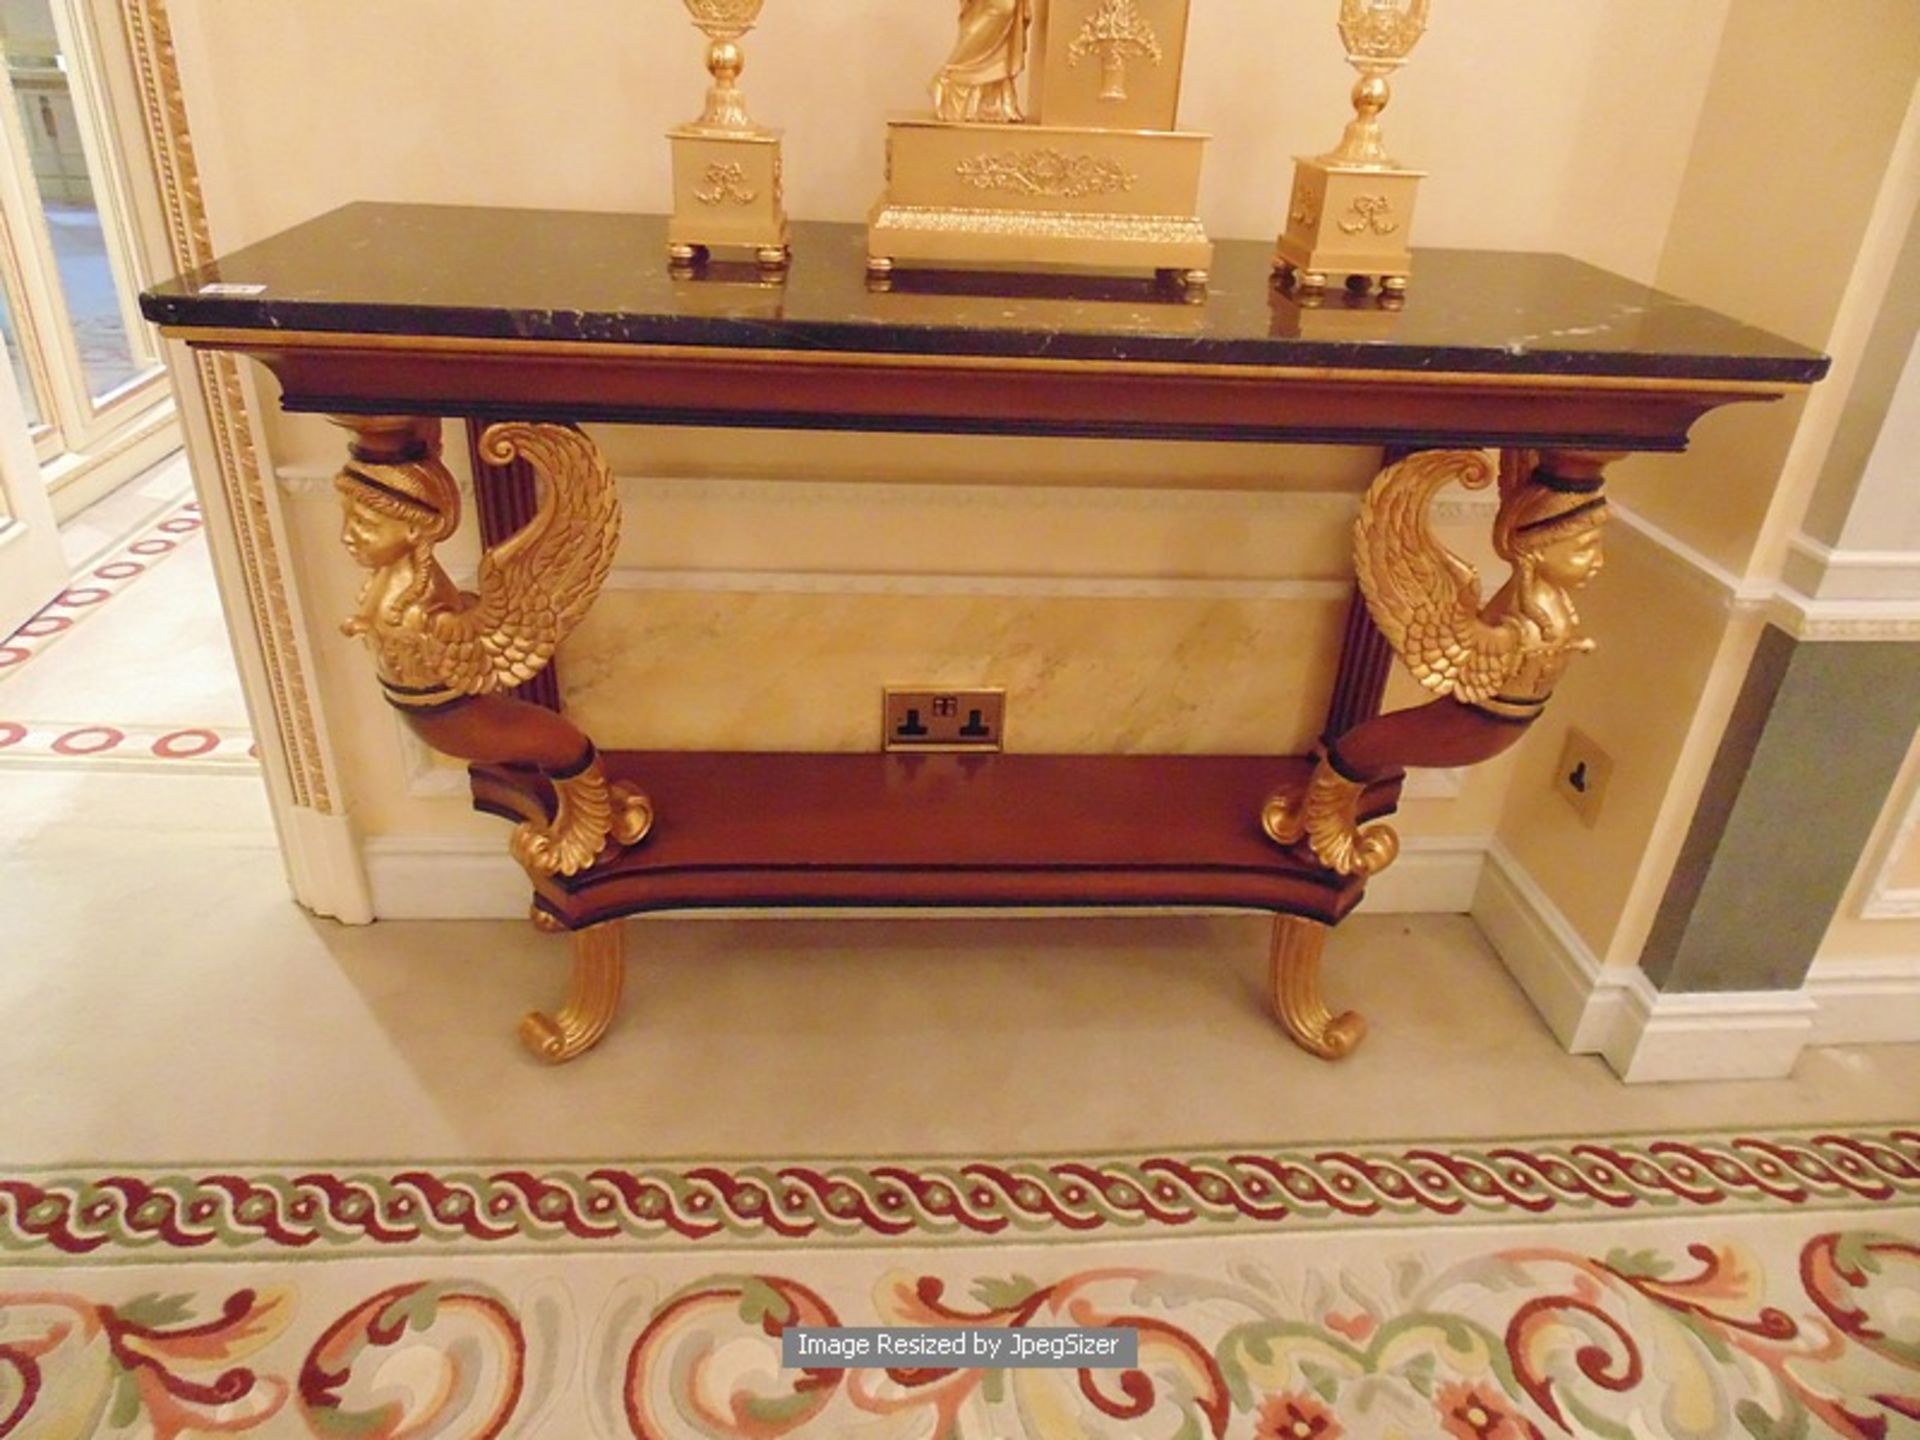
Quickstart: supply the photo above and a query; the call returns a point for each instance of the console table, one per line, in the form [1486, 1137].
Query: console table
[524, 323]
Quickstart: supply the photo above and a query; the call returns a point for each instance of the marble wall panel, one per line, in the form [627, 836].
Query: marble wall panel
[715, 669]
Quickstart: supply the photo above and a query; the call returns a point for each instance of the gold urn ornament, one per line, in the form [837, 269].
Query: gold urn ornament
[1351, 211]
[726, 169]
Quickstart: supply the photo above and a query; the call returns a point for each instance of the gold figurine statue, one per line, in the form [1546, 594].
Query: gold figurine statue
[980, 80]
[727, 184]
[446, 656]
[1493, 665]
[1089, 173]
[1351, 210]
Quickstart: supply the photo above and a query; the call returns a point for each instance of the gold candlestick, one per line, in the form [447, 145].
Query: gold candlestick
[1351, 210]
[726, 169]
[725, 22]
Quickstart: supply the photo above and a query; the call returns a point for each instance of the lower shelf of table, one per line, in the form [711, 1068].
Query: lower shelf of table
[738, 829]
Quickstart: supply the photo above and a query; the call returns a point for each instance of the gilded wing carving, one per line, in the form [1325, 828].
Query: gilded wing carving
[1425, 599]
[535, 585]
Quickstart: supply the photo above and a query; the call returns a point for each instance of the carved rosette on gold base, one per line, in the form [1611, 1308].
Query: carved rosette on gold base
[727, 182]
[1350, 216]
[1097, 177]
[1491, 665]
[447, 657]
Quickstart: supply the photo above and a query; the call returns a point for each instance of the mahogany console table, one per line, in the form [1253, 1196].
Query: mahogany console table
[389, 317]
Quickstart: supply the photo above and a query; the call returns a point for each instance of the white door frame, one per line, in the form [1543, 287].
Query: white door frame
[140, 72]
[32, 567]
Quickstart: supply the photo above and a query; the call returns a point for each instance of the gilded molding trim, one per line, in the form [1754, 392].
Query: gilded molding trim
[1056, 224]
[1045, 171]
[170, 144]
[1885, 621]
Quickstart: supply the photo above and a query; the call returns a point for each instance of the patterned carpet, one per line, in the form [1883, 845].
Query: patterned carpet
[70, 734]
[1698, 1286]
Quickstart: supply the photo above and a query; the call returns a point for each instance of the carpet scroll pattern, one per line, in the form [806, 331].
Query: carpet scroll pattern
[1764, 1286]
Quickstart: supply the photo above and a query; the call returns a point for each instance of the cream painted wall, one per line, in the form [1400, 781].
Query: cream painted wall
[1662, 631]
[1886, 512]
[1806, 104]
[1888, 882]
[1868, 495]
[1792, 213]
[1553, 124]
[1900, 833]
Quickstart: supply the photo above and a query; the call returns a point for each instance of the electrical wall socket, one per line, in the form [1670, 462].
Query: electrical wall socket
[1583, 774]
[928, 719]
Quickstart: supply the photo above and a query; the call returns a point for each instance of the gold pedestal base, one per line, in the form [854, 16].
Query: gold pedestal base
[727, 195]
[1347, 224]
[1072, 196]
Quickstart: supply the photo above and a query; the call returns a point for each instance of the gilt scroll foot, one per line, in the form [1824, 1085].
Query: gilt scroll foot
[588, 810]
[1327, 815]
[593, 994]
[1295, 979]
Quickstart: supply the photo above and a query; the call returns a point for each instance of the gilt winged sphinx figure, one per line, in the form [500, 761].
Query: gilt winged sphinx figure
[1492, 665]
[446, 657]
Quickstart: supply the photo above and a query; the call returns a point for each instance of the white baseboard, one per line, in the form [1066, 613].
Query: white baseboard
[1582, 1003]
[445, 879]
[325, 866]
[466, 879]
[1866, 1002]
[1431, 877]
[1615, 1012]
[1712, 1035]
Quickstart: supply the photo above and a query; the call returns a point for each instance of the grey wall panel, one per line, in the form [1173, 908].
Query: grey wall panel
[1815, 743]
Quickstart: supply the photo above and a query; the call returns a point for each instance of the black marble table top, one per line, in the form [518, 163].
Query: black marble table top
[543, 275]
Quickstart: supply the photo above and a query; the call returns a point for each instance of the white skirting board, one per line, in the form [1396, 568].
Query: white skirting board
[1866, 1002]
[325, 864]
[1617, 1013]
[445, 879]
[462, 879]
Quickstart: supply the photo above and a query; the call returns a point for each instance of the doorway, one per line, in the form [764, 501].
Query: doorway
[86, 366]
[84, 400]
